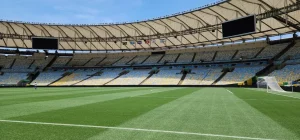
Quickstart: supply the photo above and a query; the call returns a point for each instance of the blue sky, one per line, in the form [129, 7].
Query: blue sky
[92, 11]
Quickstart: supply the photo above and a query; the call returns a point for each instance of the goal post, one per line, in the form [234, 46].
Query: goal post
[269, 83]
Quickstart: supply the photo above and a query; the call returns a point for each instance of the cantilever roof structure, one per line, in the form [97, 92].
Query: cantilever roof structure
[201, 26]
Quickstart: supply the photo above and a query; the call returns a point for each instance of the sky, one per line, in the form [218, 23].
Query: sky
[92, 11]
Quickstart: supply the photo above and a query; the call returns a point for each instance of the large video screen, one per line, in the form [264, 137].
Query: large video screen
[45, 43]
[238, 27]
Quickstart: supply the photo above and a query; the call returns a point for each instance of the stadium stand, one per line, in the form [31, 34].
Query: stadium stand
[168, 58]
[109, 60]
[106, 76]
[124, 60]
[204, 56]
[134, 77]
[12, 78]
[185, 58]
[239, 74]
[212, 75]
[224, 55]
[61, 61]
[48, 77]
[139, 59]
[6, 61]
[287, 74]
[94, 61]
[195, 77]
[153, 59]
[165, 77]
[271, 50]
[74, 77]
[247, 53]
[293, 53]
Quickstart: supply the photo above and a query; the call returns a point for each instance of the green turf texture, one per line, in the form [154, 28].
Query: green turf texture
[243, 113]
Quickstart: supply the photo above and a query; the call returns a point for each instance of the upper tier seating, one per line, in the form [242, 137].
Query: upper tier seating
[6, 61]
[61, 61]
[287, 74]
[293, 52]
[106, 76]
[134, 77]
[153, 59]
[239, 75]
[22, 64]
[165, 77]
[41, 62]
[108, 61]
[247, 53]
[224, 55]
[94, 61]
[204, 56]
[12, 78]
[271, 51]
[124, 60]
[169, 58]
[185, 58]
[46, 78]
[139, 59]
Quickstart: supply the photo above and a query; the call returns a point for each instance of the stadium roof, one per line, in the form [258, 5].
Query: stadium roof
[200, 26]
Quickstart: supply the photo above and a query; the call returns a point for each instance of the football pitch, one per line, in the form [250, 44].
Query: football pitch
[145, 113]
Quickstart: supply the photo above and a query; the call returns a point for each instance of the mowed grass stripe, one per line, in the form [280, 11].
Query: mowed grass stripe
[62, 95]
[108, 113]
[28, 92]
[37, 107]
[285, 114]
[207, 111]
[17, 91]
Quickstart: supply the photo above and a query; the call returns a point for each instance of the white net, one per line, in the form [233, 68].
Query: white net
[269, 83]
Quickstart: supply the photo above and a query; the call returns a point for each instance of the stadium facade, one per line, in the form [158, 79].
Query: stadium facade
[186, 48]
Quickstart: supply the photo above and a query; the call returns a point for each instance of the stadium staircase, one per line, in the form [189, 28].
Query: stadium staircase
[160, 58]
[121, 74]
[234, 54]
[146, 59]
[63, 76]
[271, 67]
[259, 52]
[100, 61]
[117, 61]
[182, 78]
[12, 64]
[88, 61]
[69, 61]
[51, 62]
[220, 78]
[128, 63]
[31, 64]
[215, 55]
[33, 76]
[150, 75]
[177, 58]
[194, 57]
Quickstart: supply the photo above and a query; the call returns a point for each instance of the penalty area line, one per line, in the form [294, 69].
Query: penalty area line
[134, 129]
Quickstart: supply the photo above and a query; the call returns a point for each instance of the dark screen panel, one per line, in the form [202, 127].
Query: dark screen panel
[238, 27]
[45, 43]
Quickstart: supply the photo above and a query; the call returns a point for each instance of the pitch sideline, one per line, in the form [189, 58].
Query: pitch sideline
[135, 129]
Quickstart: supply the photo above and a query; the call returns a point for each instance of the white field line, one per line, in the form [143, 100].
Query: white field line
[286, 95]
[135, 129]
[280, 94]
[229, 91]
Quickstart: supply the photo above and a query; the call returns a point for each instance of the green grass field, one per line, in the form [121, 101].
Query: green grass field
[147, 113]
